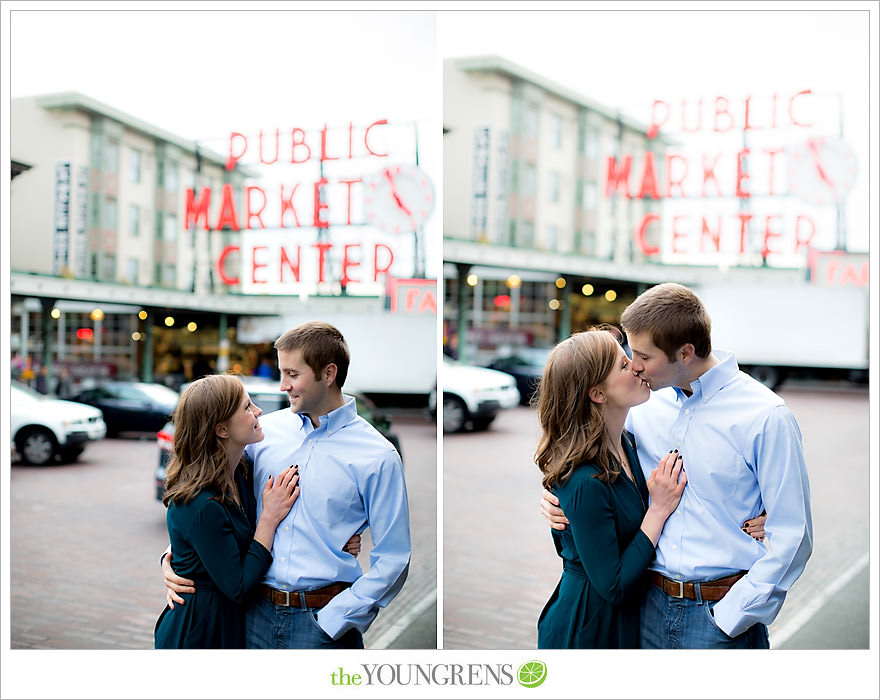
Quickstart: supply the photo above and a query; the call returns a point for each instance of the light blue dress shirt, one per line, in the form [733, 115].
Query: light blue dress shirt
[351, 478]
[742, 453]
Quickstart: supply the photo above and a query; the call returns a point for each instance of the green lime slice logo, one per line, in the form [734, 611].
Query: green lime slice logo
[531, 674]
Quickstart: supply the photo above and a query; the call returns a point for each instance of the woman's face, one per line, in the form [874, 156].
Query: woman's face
[623, 388]
[244, 425]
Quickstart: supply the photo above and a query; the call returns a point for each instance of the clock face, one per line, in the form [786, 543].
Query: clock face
[398, 198]
[821, 170]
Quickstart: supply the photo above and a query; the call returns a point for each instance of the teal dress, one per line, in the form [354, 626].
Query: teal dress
[212, 544]
[604, 557]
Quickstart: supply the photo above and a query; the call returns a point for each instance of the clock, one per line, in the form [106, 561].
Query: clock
[398, 198]
[821, 170]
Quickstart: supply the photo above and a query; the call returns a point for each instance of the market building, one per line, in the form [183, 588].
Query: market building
[138, 254]
[559, 211]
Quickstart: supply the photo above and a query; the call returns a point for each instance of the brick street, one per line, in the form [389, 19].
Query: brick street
[500, 566]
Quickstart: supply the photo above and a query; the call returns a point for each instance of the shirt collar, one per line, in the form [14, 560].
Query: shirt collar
[335, 419]
[712, 381]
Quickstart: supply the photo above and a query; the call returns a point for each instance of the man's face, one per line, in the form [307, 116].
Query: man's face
[307, 393]
[651, 364]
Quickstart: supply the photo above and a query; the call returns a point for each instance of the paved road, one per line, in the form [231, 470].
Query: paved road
[86, 539]
[500, 566]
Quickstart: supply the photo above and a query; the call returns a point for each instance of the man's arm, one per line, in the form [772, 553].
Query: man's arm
[385, 500]
[785, 491]
[174, 584]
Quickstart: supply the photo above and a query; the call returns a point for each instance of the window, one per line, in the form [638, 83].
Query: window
[111, 156]
[131, 270]
[169, 276]
[171, 179]
[553, 191]
[591, 196]
[556, 131]
[530, 181]
[108, 268]
[110, 208]
[169, 230]
[591, 145]
[530, 121]
[134, 165]
[550, 241]
[134, 220]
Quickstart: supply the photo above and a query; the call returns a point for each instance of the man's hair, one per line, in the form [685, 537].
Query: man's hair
[672, 315]
[320, 344]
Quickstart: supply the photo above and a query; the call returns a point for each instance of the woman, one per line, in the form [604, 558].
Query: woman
[590, 463]
[210, 514]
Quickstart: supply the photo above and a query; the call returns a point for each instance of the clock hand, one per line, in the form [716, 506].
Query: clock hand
[394, 194]
[814, 150]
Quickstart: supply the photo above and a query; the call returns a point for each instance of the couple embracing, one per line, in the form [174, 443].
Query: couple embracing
[675, 485]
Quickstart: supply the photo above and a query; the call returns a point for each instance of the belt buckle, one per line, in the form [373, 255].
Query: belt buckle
[680, 593]
[286, 602]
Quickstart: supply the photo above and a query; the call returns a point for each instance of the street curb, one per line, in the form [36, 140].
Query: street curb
[400, 625]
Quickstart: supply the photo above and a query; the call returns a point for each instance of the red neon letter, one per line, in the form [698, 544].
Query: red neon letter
[722, 109]
[656, 123]
[318, 222]
[221, 262]
[649, 178]
[232, 159]
[227, 217]
[255, 265]
[288, 205]
[699, 116]
[322, 257]
[196, 210]
[768, 234]
[324, 155]
[670, 181]
[615, 177]
[709, 174]
[714, 235]
[347, 262]
[367, 136]
[794, 121]
[640, 234]
[741, 175]
[744, 220]
[799, 240]
[676, 234]
[277, 140]
[772, 153]
[287, 264]
[381, 270]
[349, 183]
[294, 133]
[259, 212]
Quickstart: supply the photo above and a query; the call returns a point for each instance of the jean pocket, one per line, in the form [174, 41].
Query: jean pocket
[313, 618]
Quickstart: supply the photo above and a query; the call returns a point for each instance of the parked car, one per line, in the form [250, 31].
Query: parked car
[268, 397]
[474, 395]
[526, 366]
[45, 430]
[130, 406]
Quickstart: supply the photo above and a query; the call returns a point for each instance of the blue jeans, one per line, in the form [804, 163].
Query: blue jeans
[679, 623]
[271, 626]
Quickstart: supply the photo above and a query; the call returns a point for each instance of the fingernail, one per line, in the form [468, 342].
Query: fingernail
[676, 450]
[745, 529]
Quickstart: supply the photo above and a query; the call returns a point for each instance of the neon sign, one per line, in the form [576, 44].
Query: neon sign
[813, 171]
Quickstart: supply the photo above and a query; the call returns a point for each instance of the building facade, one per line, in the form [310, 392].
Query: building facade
[108, 278]
[547, 226]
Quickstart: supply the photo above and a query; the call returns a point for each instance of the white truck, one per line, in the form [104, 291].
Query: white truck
[780, 330]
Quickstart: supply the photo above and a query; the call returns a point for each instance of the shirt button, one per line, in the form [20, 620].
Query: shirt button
[674, 548]
[687, 410]
[283, 559]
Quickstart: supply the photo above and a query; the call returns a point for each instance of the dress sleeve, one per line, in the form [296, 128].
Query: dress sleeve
[587, 504]
[214, 541]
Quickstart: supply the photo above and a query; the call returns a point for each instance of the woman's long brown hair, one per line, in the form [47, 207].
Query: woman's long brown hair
[572, 426]
[200, 460]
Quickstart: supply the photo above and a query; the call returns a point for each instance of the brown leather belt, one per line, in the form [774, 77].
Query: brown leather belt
[709, 590]
[308, 599]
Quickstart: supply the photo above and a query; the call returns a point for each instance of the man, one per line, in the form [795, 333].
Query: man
[712, 585]
[315, 595]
